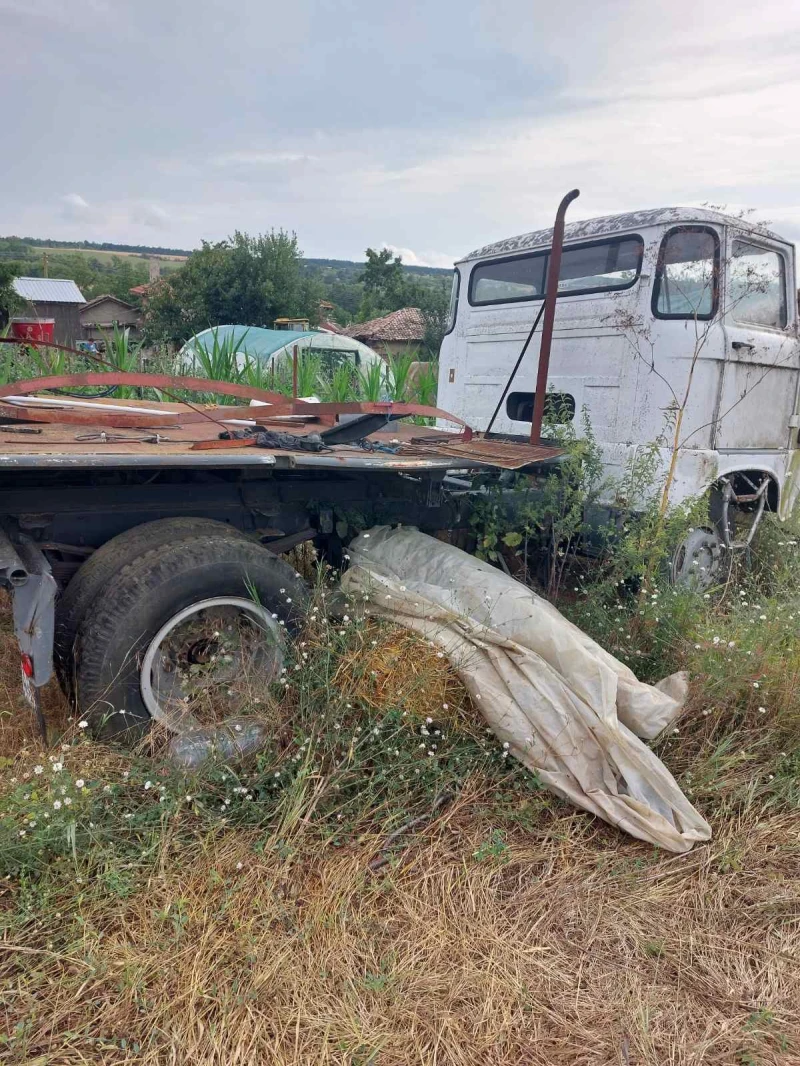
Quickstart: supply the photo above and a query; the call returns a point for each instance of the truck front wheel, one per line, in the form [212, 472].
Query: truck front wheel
[185, 634]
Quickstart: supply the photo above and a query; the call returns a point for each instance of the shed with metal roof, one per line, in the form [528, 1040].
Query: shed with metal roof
[56, 298]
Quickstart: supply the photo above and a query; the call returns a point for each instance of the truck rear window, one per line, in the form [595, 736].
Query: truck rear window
[599, 266]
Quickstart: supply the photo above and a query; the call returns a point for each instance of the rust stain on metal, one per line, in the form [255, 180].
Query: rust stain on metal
[222, 445]
[508, 455]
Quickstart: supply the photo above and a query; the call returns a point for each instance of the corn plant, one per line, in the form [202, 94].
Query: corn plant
[426, 384]
[371, 382]
[220, 359]
[397, 375]
[308, 373]
[122, 355]
[7, 363]
[46, 361]
[340, 386]
[257, 374]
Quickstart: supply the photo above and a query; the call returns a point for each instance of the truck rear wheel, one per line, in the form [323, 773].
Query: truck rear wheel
[82, 591]
[188, 631]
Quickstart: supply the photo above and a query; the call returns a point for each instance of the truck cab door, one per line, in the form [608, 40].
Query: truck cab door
[758, 395]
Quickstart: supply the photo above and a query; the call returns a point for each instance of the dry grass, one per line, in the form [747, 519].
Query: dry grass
[569, 946]
[482, 942]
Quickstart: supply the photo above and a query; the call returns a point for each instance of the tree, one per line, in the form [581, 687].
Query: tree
[243, 280]
[434, 302]
[9, 301]
[383, 278]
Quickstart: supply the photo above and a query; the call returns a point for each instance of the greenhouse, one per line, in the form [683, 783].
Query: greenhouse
[272, 346]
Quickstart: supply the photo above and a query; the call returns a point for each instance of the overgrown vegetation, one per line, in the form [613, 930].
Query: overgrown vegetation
[381, 884]
[382, 880]
[219, 358]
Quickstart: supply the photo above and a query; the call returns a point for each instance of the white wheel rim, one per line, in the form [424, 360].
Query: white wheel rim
[182, 721]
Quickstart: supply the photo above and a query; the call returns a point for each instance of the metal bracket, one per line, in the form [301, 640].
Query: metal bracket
[34, 612]
[729, 496]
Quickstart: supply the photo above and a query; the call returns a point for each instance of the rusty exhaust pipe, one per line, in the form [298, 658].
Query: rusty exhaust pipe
[553, 271]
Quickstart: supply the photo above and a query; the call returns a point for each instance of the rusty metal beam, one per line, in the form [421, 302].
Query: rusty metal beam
[101, 414]
[152, 381]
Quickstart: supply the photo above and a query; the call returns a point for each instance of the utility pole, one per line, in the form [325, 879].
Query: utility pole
[44, 265]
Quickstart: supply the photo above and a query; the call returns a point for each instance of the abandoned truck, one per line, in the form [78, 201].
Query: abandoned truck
[141, 539]
[672, 312]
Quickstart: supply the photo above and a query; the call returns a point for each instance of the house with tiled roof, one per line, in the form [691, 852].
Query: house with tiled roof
[401, 331]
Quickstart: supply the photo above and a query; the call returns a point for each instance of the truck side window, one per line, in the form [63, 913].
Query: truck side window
[687, 275]
[758, 286]
[452, 311]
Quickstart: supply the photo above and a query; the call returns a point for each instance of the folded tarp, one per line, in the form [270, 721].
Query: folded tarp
[568, 710]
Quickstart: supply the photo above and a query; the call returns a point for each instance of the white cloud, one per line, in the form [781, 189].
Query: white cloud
[76, 209]
[425, 259]
[75, 202]
[258, 159]
[151, 215]
[449, 147]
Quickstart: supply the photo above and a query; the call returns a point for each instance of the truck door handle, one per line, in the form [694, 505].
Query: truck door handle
[739, 346]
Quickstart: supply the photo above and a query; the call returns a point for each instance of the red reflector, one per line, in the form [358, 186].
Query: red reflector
[27, 665]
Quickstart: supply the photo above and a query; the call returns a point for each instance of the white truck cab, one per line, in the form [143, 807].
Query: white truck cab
[656, 310]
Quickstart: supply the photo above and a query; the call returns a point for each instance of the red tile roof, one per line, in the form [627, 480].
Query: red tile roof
[332, 327]
[407, 324]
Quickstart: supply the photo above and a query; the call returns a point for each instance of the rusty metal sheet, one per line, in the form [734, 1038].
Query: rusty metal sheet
[507, 455]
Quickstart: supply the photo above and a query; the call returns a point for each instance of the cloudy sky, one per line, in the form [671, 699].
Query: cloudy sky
[433, 126]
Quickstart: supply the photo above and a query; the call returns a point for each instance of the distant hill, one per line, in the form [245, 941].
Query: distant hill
[343, 265]
[94, 246]
[103, 267]
[19, 248]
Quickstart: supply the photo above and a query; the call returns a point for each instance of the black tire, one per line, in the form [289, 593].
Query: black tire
[149, 591]
[82, 591]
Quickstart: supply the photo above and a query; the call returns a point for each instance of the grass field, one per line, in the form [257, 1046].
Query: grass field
[167, 262]
[269, 915]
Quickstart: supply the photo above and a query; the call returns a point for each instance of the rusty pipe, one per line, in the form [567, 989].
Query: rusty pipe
[551, 294]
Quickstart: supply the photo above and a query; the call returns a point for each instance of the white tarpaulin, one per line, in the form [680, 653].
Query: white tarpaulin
[567, 709]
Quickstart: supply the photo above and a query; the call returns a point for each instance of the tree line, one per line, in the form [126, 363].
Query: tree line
[254, 280]
[244, 279]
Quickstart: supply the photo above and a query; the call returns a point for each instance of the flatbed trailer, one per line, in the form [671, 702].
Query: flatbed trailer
[113, 537]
